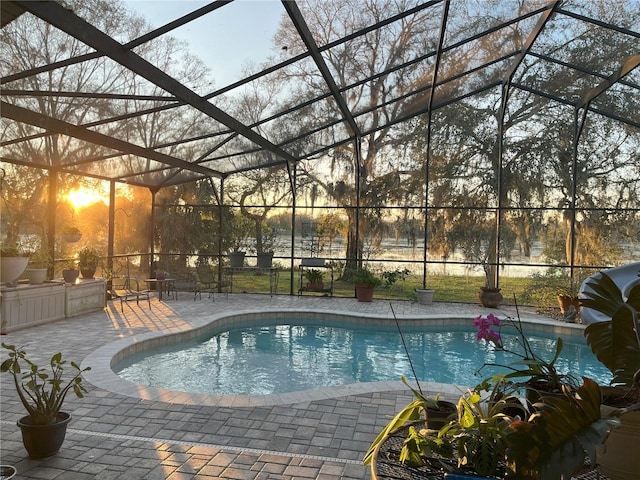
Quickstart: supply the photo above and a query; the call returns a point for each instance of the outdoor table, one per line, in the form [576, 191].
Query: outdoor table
[161, 284]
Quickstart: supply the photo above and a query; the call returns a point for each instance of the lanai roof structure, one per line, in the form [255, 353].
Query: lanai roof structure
[529, 54]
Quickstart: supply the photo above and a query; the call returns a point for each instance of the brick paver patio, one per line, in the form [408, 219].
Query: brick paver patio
[113, 436]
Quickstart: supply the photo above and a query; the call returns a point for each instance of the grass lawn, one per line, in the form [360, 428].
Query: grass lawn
[448, 288]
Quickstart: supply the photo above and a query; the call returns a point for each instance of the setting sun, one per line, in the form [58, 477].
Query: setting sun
[83, 197]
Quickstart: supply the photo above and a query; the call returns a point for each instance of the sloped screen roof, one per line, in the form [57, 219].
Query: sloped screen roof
[119, 86]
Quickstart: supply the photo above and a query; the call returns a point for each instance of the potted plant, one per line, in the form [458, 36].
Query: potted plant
[88, 260]
[314, 278]
[13, 262]
[70, 272]
[240, 229]
[42, 392]
[431, 412]
[71, 234]
[616, 343]
[365, 282]
[265, 251]
[39, 262]
[490, 296]
[568, 296]
[535, 375]
[493, 435]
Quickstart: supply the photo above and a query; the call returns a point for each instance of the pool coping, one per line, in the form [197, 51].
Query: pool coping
[104, 358]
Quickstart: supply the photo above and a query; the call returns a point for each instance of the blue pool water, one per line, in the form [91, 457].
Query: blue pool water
[288, 358]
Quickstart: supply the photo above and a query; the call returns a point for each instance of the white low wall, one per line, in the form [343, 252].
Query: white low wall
[27, 305]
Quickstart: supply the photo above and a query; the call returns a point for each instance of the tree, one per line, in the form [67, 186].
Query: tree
[27, 43]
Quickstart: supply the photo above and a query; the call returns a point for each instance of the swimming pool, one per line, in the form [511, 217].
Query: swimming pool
[301, 354]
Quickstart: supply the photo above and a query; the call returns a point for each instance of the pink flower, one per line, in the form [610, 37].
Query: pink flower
[493, 319]
[484, 329]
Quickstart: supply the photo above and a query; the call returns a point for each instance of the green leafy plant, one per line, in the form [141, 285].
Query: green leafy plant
[552, 443]
[89, 257]
[616, 343]
[42, 391]
[390, 277]
[414, 411]
[479, 432]
[40, 258]
[314, 275]
[12, 250]
[535, 373]
[366, 276]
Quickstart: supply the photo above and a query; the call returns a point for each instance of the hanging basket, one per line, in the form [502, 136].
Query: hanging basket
[71, 237]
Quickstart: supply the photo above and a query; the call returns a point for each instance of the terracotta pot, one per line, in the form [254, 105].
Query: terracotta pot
[43, 441]
[364, 292]
[566, 301]
[315, 285]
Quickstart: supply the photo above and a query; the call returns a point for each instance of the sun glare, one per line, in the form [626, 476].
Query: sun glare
[83, 197]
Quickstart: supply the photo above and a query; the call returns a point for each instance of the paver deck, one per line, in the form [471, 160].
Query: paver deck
[114, 436]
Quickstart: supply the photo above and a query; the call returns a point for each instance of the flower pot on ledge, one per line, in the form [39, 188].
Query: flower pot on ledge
[36, 276]
[11, 268]
[490, 297]
[264, 260]
[70, 276]
[236, 259]
[364, 292]
[425, 296]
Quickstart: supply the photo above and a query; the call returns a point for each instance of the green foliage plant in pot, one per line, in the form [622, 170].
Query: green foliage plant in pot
[88, 260]
[315, 279]
[431, 412]
[70, 272]
[490, 295]
[529, 371]
[42, 392]
[493, 435]
[237, 240]
[472, 441]
[616, 343]
[365, 282]
[71, 234]
[39, 262]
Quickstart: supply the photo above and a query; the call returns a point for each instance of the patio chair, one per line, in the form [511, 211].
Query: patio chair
[209, 280]
[128, 288]
[184, 282]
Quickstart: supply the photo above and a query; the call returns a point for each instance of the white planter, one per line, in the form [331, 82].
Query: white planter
[36, 276]
[11, 268]
[28, 305]
[85, 296]
[425, 296]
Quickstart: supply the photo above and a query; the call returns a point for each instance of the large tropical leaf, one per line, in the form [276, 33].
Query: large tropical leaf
[556, 439]
[615, 343]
